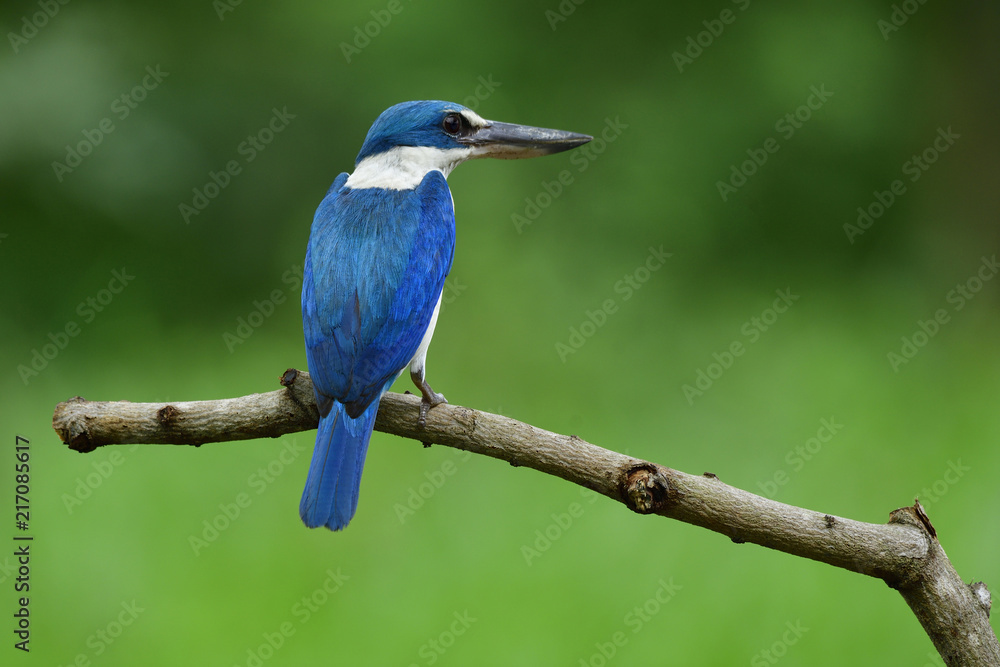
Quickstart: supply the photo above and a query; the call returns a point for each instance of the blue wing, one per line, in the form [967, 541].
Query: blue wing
[375, 266]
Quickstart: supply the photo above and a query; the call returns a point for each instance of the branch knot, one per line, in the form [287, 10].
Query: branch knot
[645, 489]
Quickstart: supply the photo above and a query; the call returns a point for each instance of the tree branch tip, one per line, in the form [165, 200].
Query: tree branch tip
[913, 515]
[289, 377]
[924, 519]
[70, 431]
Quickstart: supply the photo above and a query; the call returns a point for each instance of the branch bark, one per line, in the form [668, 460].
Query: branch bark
[905, 552]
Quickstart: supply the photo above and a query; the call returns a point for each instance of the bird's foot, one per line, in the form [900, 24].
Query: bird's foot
[430, 399]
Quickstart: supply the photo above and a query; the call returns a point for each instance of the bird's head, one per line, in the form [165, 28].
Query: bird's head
[410, 139]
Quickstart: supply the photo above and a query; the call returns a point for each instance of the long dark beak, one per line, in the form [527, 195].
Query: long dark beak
[508, 141]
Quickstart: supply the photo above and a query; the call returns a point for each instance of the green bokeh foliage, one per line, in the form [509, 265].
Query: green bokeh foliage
[518, 291]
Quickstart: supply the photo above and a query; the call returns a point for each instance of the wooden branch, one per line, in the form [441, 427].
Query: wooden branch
[905, 552]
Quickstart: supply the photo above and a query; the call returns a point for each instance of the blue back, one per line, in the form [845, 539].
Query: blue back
[375, 265]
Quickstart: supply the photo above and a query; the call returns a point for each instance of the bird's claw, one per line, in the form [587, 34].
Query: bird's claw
[430, 399]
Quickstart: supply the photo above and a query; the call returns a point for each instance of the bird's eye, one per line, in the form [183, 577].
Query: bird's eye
[452, 123]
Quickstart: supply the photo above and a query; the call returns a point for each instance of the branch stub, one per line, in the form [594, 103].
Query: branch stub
[645, 489]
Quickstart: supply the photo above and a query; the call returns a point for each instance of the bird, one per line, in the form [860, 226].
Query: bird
[380, 247]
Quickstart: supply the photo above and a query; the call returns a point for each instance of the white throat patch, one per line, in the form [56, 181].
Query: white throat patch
[403, 167]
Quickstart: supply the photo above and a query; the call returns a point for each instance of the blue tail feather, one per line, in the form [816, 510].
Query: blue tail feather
[331, 494]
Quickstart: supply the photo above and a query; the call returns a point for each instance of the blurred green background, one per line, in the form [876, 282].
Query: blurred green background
[452, 580]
